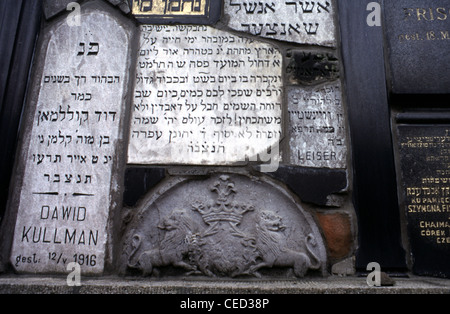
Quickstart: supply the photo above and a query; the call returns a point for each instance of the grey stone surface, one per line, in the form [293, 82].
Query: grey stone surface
[418, 40]
[223, 226]
[317, 126]
[204, 97]
[115, 285]
[304, 22]
[71, 148]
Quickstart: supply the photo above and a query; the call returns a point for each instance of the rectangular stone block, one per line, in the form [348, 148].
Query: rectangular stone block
[304, 22]
[418, 39]
[204, 96]
[317, 128]
[68, 180]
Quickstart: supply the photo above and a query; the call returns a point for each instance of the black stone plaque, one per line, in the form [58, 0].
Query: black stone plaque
[425, 175]
[418, 41]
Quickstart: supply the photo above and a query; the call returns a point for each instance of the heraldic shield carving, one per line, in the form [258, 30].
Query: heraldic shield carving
[224, 226]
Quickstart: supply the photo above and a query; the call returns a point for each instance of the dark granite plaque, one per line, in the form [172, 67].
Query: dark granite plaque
[418, 41]
[425, 175]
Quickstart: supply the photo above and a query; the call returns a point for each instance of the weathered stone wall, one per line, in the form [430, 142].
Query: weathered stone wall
[240, 105]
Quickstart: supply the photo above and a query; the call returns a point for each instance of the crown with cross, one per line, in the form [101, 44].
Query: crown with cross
[223, 209]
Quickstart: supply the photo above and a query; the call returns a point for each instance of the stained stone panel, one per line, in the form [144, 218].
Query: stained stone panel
[204, 96]
[72, 145]
[317, 127]
[304, 22]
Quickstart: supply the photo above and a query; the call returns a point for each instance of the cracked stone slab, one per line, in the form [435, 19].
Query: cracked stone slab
[204, 97]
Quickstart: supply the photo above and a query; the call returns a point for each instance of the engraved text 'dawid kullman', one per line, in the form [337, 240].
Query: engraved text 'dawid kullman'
[225, 226]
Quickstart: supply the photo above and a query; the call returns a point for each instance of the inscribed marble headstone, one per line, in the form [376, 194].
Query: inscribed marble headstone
[71, 148]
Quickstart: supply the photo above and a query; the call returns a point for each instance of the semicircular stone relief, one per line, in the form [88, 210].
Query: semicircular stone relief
[227, 225]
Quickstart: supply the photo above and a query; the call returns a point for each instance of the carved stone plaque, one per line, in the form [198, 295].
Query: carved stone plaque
[425, 176]
[72, 145]
[204, 96]
[305, 22]
[317, 126]
[226, 226]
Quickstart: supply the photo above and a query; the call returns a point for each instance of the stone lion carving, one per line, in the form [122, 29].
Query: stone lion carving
[272, 247]
[174, 249]
[224, 235]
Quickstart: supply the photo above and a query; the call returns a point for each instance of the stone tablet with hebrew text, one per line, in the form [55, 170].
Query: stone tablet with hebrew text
[303, 22]
[71, 148]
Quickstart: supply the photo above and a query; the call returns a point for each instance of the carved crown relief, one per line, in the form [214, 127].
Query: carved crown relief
[225, 226]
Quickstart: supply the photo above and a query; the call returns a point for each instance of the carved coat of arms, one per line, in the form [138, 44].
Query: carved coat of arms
[211, 238]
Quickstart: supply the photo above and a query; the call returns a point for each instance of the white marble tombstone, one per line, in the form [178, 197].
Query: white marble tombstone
[204, 97]
[304, 22]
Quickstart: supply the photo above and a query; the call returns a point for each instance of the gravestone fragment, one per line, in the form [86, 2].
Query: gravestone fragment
[418, 41]
[304, 22]
[204, 96]
[224, 225]
[72, 145]
[424, 158]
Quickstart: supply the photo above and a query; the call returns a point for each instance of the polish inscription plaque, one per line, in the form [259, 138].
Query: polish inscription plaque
[204, 96]
[305, 22]
[72, 147]
[425, 163]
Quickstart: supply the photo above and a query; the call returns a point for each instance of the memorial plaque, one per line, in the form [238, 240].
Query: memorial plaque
[317, 127]
[304, 22]
[179, 11]
[425, 175]
[204, 96]
[72, 145]
[418, 38]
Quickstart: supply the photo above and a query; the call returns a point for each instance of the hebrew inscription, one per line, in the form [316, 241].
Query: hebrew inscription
[225, 226]
[317, 126]
[204, 96]
[71, 151]
[170, 7]
[306, 22]
[180, 11]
